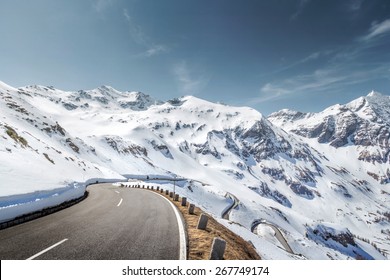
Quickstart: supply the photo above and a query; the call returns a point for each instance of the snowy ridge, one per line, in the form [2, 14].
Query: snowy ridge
[50, 139]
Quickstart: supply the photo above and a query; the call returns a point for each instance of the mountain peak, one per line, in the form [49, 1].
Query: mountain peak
[107, 90]
[276, 174]
[5, 86]
[372, 103]
[106, 87]
[285, 116]
[375, 94]
[377, 99]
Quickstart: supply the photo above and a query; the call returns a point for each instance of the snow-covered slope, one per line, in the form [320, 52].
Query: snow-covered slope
[320, 195]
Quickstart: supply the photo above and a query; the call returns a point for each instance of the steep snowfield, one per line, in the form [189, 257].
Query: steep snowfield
[321, 196]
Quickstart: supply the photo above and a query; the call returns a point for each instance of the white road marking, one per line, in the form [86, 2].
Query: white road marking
[117, 192]
[120, 202]
[182, 233]
[47, 249]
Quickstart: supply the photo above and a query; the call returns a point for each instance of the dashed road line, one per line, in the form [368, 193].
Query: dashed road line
[120, 202]
[47, 249]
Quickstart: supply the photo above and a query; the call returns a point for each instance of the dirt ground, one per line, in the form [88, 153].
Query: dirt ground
[200, 241]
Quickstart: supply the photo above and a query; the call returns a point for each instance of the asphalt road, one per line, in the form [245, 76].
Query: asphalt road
[112, 224]
[278, 234]
[226, 212]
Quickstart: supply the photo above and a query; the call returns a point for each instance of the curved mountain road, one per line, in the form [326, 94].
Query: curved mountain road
[112, 223]
[278, 234]
[235, 202]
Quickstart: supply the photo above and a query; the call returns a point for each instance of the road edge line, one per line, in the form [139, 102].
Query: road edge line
[182, 233]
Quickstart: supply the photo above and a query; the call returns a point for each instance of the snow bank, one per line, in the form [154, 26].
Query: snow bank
[17, 205]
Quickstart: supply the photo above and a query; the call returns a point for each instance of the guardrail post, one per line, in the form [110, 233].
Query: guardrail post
[217, 249]
[191, 209]
[161, 190]
[158, 188]
[171, 194]
[166, 192]
[202, 223]
[176, 197]
[152, 188]
[183, 201]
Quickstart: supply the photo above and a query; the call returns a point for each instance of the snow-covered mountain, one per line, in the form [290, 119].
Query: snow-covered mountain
[363, 123]
[322, 179]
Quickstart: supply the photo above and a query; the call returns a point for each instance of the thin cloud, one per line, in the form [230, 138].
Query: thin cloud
[155, 50]
[270, 92]
[101, 5]
[188, 85]
[126, 14]
[348, 65]
[310, 57]
[378, 29]
[328, 79]
[135, 30]
[301, 6]
[307, 59]
[354, 5]
[319, 80]
[142, 39]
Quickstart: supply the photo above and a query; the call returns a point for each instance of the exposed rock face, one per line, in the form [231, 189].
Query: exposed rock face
[291, 168]
[326, 233]
[364, 122]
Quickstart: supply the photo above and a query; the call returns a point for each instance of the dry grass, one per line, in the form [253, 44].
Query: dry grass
[14, 135]
[200, 241]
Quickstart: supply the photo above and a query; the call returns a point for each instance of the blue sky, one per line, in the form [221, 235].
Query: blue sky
[267, 54]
